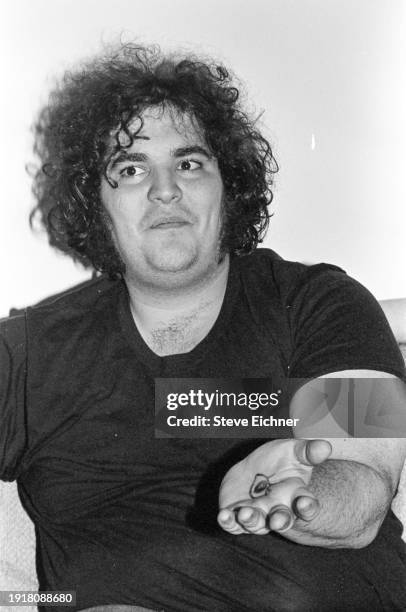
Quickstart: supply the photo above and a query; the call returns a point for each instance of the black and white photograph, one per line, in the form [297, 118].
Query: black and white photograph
[203, 306]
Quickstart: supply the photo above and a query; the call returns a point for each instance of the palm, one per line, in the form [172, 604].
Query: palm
[259, 492]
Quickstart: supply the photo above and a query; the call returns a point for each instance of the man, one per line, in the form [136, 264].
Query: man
[154, 175]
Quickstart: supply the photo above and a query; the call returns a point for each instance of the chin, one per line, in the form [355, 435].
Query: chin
[172, 259]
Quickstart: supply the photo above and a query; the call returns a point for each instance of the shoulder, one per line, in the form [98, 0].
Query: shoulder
[84, 295]
[334, 323]
[81, 302]
[292, 280]
[308, 293]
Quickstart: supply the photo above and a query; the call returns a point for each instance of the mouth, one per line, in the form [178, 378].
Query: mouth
[169, 223]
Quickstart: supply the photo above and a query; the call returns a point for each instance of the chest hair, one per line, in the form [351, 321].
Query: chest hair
[179, 335]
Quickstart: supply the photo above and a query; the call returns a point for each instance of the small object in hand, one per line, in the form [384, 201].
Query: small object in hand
[261, 486]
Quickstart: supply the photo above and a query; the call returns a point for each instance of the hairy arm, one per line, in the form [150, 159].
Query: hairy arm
[336, 498]
[356, 485]
[353, 500]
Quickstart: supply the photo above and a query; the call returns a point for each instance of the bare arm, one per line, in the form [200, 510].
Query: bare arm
[353, 501]
[341, 504]
[366, 473]
[356, 485]
[395, 311]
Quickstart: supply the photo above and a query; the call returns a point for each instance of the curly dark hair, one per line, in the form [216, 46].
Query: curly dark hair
[73, 132]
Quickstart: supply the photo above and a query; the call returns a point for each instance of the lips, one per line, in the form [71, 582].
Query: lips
[168, 222]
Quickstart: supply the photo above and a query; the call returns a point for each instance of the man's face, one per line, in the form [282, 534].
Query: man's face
[166, 212]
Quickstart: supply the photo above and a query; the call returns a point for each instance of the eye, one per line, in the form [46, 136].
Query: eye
[189, 165]
[130, 171]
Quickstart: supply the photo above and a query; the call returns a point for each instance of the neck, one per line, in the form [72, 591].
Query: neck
[174, 321]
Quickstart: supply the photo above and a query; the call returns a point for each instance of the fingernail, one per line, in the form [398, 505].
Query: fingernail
[281, 520]
[225, 517]
[246, 515]
[306, 506]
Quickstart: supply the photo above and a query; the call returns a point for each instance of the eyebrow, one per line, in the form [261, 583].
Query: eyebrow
[191, 150]
[125, 155]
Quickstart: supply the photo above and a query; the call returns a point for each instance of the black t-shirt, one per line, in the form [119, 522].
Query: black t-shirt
[123, 517]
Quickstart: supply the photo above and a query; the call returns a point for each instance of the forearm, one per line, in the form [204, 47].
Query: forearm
[353, 498]
[332, 503]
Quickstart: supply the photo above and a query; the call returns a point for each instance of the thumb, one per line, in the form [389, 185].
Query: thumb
[312, 452]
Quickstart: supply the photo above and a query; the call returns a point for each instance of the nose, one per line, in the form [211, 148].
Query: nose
[164, 188]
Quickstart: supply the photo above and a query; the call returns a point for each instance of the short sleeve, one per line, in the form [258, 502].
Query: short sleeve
[338, 325]
[12, 395]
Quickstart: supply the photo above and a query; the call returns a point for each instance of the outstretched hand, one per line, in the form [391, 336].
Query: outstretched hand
[268, 490]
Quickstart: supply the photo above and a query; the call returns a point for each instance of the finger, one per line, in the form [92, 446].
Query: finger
[253, 520]
[227, 521]
[281, 518]
[306, 507]
[312, 452]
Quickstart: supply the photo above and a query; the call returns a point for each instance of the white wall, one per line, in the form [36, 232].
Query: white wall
[329, 75]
